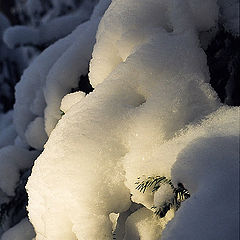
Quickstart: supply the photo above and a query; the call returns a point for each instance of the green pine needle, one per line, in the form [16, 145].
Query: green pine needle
[180, 193]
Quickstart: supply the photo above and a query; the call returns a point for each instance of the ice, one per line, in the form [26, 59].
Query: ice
[21, 231]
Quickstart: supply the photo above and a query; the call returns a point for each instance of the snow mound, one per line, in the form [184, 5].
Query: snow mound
[151, 101]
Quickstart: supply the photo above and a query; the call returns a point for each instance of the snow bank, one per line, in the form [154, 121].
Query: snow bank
[148, 112]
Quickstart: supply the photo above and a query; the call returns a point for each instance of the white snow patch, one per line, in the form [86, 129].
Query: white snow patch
[70, 99]
[144, 225]
[150, 83]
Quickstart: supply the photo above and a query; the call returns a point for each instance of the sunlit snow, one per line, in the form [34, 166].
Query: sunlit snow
[152, 113]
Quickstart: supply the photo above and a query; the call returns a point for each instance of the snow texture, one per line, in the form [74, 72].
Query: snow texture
[152, 113]
[144, 225]
[207, 162]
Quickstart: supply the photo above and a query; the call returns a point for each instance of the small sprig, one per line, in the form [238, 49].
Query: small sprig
[180, 194]
[156, 182]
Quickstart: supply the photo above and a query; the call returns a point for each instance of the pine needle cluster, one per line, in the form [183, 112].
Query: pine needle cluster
[180, 194]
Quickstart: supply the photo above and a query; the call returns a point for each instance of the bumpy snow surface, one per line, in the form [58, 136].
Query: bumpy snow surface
[152, 113]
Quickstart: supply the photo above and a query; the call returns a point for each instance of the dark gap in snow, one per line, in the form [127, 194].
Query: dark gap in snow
[31, 149]
[83, 85]
[223, 56]
[11, 75]
[38, 47]
[15, 210]
[120, 228]
[7, 7]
